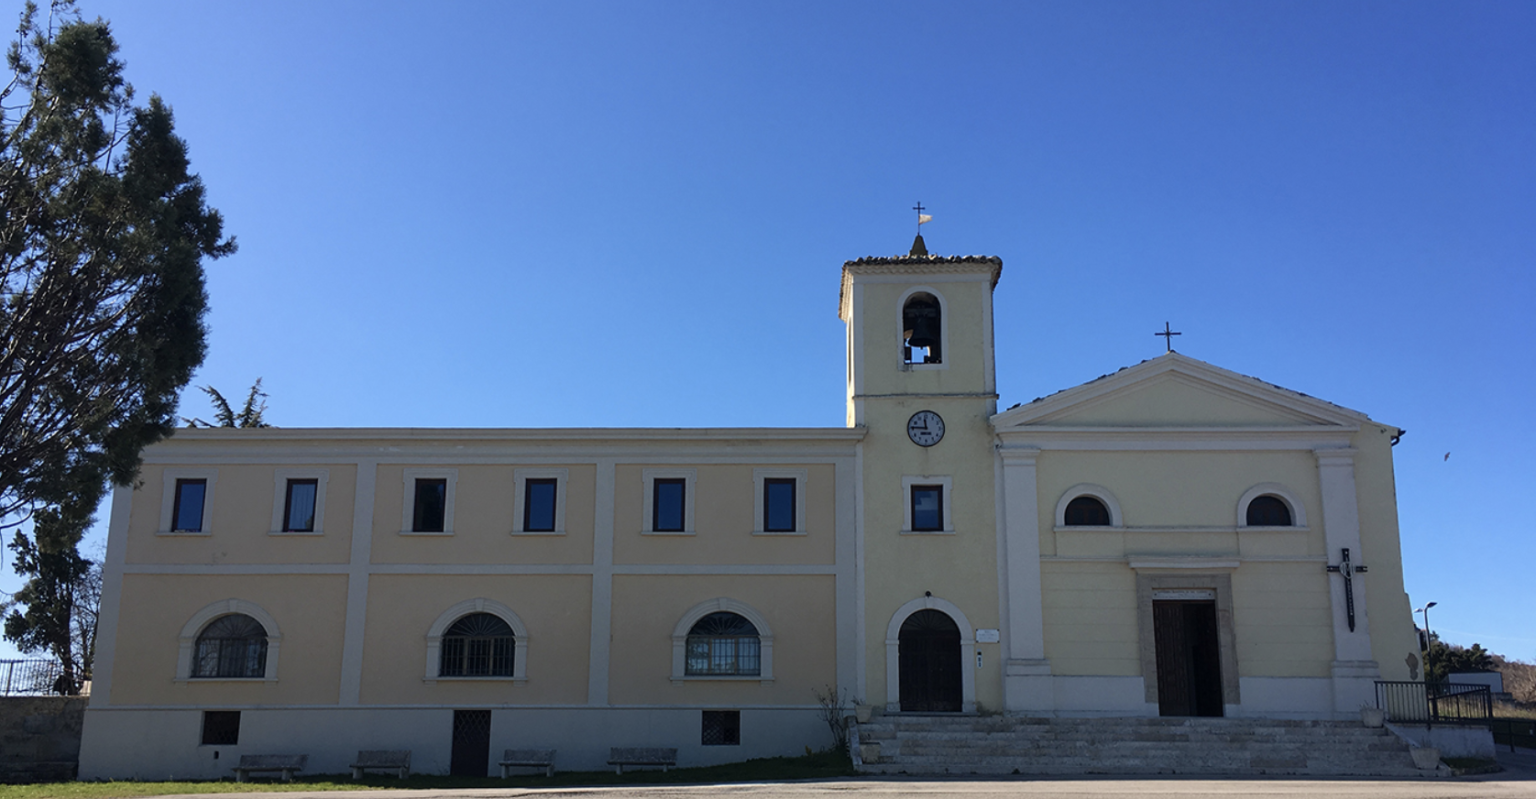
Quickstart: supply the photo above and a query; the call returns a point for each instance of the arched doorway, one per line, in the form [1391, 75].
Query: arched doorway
[928, 648]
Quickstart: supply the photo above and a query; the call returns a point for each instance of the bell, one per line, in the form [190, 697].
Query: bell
[924, 333]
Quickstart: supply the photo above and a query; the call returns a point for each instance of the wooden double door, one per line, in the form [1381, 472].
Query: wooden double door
[1188, 657]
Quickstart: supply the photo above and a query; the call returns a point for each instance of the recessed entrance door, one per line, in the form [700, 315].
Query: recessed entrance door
[928, 654]
[1188, 658]
[471, 744]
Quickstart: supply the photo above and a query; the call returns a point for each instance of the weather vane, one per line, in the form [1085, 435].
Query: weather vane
[921, 217]
[1168, 335]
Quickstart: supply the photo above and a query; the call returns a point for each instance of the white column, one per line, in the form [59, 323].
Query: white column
[1027, 673]
[1354, 669]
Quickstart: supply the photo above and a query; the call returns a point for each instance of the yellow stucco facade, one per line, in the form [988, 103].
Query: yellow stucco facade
[453, 591]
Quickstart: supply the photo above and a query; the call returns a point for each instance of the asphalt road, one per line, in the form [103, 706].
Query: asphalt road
[1517, 780]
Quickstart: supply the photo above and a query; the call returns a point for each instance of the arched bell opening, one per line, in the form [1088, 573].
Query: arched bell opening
[921, 330]
[928, 650]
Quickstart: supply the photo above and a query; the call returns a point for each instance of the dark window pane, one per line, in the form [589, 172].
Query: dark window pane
[723, 644]
[927, 507]
[1087, 512]
[539, 506]
[221, 727]
[1269, 511]
[299, 508]
[188, 512]
[431, 503]
[779, 505]
[667, 505]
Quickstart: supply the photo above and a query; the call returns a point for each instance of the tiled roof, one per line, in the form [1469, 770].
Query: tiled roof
[926, 259]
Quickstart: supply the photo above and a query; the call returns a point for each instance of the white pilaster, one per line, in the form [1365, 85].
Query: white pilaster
[1027, 673]
[357, 583]
[602, 585]
[1354, 669]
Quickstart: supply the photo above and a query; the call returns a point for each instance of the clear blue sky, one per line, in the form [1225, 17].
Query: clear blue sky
[595, 214]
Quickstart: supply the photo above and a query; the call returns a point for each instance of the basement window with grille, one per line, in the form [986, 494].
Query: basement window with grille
[721, 728]
[221, 727]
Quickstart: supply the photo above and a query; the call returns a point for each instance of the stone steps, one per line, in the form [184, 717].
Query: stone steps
[943, 744]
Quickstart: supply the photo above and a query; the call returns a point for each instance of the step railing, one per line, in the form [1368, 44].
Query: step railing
[1435, 702]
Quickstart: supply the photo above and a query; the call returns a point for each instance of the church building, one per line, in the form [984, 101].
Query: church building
[1171, 539]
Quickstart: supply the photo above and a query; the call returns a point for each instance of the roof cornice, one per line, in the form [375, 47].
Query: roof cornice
[989, 265]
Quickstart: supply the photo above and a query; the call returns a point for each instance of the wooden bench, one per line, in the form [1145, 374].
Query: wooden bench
[396, 760]
[528, 758]
[620, 756]
[287, 764]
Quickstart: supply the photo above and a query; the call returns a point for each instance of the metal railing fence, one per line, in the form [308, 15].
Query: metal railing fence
[1514, 732]
[1435, 703]
[29, 677]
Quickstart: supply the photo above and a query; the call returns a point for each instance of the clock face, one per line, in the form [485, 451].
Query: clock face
[925, 428]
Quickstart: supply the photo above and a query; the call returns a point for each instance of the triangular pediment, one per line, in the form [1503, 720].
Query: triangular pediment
[1177, 391]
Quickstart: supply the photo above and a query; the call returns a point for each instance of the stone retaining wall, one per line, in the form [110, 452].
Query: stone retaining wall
[40, 737]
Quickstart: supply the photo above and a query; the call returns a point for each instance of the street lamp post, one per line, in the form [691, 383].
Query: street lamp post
[1429, 640]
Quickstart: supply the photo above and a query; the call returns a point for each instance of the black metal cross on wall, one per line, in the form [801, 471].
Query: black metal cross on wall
[1168, 334]
[1347, 571]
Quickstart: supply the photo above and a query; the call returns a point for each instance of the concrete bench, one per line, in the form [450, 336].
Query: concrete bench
[528, 758]
[396, 760]
[287, 764]
[620, 756]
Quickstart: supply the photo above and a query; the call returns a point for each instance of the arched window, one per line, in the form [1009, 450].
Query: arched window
[231, 646]
[1269, 511]
[1086, 511]
[723, 644]
[478, 645]
[921, 329]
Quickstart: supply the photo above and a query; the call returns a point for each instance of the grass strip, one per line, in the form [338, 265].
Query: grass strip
[820, 765]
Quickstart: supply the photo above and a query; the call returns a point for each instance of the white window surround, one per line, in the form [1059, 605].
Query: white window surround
[1298, 509]
[520, 478]
[1102, 494]
[408, 502]
[759, 498]
[459, 611]
[206, 616]
[893, 651]
[649, 477]
[901, 306]
[716, 605]
[280, 498]
[168, 478]
[947, 484]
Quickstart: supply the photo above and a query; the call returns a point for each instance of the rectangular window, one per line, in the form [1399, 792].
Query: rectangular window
[221, 727]
[779, 505]
[299, 506]
[721, 728]
[668, 504]
[927, 508]
[188, 513]
[539, 504]
[431, 505]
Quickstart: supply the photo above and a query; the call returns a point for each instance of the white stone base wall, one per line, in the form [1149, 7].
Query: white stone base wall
[155, 744]
[1125, 697]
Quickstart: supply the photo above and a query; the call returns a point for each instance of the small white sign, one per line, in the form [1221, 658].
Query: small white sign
[988, 636]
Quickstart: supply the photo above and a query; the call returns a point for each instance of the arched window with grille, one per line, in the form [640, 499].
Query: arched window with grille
[478, 645]
[1269, 511]
[1086, 511]
[232, 646]
[723, 644]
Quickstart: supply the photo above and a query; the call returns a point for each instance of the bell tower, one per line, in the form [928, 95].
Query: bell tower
[921, 380]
